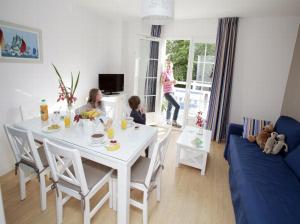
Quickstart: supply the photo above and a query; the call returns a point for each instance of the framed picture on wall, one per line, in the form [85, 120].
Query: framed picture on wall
[20, 43]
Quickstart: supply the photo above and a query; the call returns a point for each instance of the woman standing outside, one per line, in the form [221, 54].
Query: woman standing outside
[168, 82]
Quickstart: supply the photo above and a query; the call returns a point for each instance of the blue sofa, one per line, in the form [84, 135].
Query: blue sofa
[265, 189]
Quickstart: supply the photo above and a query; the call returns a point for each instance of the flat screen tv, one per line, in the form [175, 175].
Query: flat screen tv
[111, 83]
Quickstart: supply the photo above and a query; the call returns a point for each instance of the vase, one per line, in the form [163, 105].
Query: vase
[88, 126]
[69, 117]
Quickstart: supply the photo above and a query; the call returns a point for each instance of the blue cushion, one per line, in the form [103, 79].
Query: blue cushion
[293, 161]
[253, 126]
[291, 129]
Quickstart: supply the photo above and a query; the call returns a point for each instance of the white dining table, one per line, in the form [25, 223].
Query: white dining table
[132, 144]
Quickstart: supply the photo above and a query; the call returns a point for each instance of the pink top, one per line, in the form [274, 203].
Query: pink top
[168, 76]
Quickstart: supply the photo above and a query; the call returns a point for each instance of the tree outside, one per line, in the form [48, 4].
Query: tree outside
[178, 52]
[204, 56]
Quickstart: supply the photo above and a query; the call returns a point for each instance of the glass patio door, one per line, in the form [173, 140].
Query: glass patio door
[199, 79]
[147, 76]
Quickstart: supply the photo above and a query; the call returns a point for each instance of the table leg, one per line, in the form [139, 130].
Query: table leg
[178, 155]
[204, 159]
[123, 194]
[151, 146]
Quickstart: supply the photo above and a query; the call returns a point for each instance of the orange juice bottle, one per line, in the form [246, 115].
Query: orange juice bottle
[44, 110]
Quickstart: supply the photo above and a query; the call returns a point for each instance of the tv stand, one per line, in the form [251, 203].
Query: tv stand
[115, 105]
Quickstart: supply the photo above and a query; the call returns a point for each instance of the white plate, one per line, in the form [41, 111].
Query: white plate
[45, 129]
[95, 144]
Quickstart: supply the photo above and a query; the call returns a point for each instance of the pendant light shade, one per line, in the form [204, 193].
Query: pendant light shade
[158, 12]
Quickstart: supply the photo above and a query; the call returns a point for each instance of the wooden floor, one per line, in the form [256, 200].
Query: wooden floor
[186, 198]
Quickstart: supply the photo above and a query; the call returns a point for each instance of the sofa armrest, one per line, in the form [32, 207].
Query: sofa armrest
[233, 129]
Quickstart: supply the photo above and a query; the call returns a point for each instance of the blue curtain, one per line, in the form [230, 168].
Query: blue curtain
[218, 111]
[150, 84]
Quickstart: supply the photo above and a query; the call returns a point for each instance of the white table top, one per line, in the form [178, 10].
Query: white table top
[189, 134]
[131, 140]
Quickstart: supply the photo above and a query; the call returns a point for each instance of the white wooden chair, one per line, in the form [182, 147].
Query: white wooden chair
[146, 175]
[29, 157]
[76, 178]
[29, 111]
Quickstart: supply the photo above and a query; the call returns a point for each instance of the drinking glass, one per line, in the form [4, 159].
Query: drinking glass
[110, 133]
[123, 123]
[55, 117]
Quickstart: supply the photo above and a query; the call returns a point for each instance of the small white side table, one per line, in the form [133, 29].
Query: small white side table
[188, 153]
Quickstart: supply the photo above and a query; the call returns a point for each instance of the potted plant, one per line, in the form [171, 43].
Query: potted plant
[67, 93]
[200, 122]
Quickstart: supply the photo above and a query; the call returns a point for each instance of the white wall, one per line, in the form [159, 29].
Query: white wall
[291, 102]
[73, 39]
[199, 29]
[263, 57]
[131, 33]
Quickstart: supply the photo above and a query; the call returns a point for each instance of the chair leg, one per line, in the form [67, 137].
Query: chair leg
[115, 193]
[86, 212]
[178, 156]
[158, 180]
[145, 208]
[22, 184]
[43, 192]
[110, 189]
[59, 208]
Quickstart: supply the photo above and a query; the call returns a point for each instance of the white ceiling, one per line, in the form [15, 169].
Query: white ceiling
[192, 9]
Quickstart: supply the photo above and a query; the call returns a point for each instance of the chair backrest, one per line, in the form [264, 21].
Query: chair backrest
[23, 146]
[163, 137]
[66, 165]
[29, 111]
[158, 156]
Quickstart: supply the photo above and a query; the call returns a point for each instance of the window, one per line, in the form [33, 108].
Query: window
[148, 65]
[203, 64]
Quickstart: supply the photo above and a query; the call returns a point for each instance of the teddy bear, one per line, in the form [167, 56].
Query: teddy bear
[262, 136]
[271, 141]
[279, 145]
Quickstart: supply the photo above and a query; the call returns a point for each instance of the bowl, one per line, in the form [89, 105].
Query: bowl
[97, 138]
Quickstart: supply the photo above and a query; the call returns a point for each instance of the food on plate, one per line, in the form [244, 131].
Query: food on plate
[53, 127]
[92, 114]
[113, 145]
[97, 135]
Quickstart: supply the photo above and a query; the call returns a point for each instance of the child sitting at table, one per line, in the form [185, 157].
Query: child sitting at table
[137, 113]
[94, 103]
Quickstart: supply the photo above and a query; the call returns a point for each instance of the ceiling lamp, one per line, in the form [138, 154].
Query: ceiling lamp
[158, 12]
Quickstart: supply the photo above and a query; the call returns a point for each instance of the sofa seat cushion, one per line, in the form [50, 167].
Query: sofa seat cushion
[293, 161]
[264, 188]
[291, 129]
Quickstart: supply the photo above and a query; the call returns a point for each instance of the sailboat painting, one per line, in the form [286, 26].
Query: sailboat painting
[19, 43]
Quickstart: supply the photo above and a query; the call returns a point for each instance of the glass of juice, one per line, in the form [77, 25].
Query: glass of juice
[123, 123]
[110, 133]
[67, 121]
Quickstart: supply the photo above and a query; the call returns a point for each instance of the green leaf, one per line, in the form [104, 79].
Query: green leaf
[59, 78]
[71, 83]
[77, 80]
